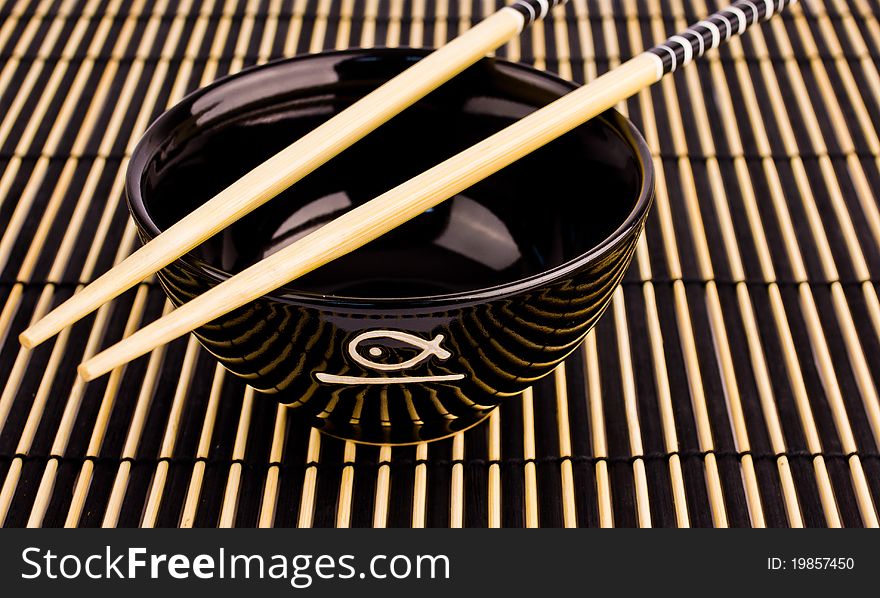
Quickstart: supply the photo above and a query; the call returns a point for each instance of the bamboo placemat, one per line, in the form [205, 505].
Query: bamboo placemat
[733, 382]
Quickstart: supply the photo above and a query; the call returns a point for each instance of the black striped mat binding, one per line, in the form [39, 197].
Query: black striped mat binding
[733, 382]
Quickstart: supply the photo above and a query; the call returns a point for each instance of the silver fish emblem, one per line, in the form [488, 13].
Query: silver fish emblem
[431, 347]
[428, 347]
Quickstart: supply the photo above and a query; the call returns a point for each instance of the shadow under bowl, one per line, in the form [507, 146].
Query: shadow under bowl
[421, 333]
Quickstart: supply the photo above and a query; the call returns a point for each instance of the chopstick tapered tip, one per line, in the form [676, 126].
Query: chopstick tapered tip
[38, 332]
[87, 371]
[28, 340]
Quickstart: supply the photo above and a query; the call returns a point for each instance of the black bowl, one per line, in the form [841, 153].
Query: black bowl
[422, 332]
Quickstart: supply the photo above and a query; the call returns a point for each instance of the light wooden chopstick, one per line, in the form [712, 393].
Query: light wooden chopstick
[391, 209]
[294, 162]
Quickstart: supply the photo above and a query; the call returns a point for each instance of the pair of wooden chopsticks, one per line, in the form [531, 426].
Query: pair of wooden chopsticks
[393, 208]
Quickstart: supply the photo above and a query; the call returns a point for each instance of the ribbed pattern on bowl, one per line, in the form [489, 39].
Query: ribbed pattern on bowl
[501, 347]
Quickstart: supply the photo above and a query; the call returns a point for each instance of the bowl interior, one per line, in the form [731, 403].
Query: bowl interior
[543, 211]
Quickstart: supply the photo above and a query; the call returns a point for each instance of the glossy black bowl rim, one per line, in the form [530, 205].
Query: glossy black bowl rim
[165, 123]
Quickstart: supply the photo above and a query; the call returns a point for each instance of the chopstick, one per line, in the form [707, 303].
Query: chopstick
[398, 205]
[294, 162]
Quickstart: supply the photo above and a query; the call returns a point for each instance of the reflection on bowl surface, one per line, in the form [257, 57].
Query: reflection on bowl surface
[423, 331]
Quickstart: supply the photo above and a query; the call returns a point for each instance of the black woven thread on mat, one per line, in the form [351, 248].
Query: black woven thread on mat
[473, 462]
